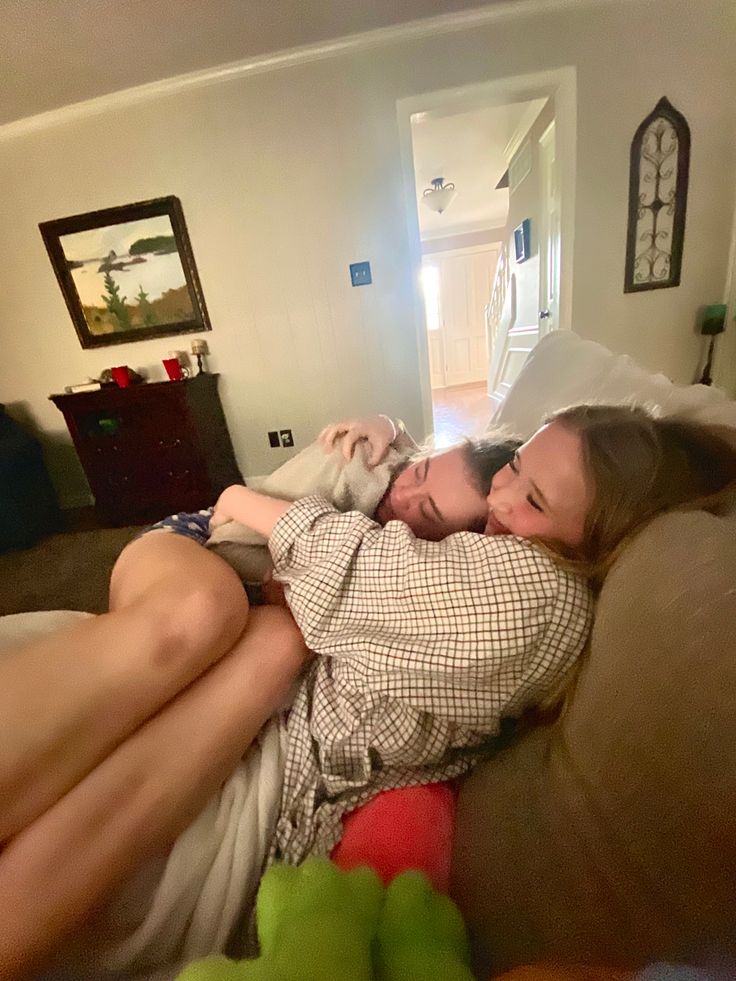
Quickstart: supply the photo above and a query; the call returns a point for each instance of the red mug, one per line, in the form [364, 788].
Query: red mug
[174, 369]
[121, 374]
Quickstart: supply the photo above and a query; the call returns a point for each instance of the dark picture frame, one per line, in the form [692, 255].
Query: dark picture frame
[127, 273]
[659, 167]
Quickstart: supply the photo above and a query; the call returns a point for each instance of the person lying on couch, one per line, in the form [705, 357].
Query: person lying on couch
[584, 482]
[436, 493]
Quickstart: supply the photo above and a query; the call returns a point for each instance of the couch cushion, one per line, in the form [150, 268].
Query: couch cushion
[563, 369]
[611, 836]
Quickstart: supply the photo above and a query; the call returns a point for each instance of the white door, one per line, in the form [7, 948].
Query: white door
[549, 234]
[457, 332]
[513, 341]
[512, 344]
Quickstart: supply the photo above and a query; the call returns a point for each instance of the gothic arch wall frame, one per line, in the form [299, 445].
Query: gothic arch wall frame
[658, 179]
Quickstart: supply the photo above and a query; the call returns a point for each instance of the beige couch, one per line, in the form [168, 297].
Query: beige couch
[611, 835]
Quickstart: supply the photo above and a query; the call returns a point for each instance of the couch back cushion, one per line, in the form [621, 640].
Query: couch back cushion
[611, 836]
[563, 369]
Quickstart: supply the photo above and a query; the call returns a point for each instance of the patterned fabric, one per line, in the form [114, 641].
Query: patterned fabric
[191, 525]
[425, 647]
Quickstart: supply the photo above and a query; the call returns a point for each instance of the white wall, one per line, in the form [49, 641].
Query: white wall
[287, 177]
[466, 240]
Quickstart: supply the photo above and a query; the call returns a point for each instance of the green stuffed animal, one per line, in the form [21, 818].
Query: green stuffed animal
[421, 934]
[317, 923]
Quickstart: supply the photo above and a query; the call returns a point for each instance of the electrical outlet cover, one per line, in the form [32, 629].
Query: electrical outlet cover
[287, 438]
[360, 273]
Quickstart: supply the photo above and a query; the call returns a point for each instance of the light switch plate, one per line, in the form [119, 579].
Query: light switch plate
[360, 273]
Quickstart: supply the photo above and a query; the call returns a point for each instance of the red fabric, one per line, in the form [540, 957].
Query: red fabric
[408, 828]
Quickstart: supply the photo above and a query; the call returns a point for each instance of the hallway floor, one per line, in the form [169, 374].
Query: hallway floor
[461, 411]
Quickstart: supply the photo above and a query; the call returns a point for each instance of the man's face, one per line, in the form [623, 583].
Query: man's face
[435, 497]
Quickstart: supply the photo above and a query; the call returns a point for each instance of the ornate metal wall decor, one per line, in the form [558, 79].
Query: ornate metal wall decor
[660, 158]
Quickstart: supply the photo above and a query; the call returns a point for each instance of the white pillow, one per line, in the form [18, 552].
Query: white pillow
[563, 369]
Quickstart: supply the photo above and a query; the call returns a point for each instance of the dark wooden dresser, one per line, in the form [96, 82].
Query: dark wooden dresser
[151, 449]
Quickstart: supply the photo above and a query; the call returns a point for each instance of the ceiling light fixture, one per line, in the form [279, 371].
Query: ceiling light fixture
[438, 196]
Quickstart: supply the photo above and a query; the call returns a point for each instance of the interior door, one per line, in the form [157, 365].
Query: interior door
[458, 351]
[513, 340]
[512, 344]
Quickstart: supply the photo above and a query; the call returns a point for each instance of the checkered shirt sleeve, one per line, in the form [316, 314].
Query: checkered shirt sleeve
[425, 647]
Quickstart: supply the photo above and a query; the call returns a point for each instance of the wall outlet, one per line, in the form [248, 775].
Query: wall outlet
[273, 438]
[286, 437]
[360, 274]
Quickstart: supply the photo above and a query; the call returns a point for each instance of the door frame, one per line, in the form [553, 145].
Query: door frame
[724, 364]
[560, 83]
[544, 236]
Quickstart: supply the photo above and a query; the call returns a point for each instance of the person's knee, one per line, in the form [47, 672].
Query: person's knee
[179, 602]
[182, 587]
[197, 617]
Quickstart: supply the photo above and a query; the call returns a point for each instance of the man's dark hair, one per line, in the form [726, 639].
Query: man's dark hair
[486, 455]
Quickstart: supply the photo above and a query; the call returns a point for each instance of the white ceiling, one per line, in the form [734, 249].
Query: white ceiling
[56, 52]
[467, 148]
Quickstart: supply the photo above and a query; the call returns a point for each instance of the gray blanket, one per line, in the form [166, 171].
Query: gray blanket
[349, 485]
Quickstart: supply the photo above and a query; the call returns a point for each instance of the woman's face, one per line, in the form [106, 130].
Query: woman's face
[435, 497]
[543, 492]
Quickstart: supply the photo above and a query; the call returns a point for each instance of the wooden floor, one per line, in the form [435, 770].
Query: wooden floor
[461, 411]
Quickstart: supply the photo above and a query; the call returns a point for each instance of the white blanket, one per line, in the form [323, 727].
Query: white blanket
[186, 904]
[191, 907]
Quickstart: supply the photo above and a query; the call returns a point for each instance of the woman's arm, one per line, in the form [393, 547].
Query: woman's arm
[260, 512]
[249, 508]
[133, 805]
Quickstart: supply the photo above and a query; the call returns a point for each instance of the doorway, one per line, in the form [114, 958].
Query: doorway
[526, 304]
[497, 153]
[456, 286]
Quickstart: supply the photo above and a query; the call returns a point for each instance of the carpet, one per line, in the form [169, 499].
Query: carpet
[66, 571]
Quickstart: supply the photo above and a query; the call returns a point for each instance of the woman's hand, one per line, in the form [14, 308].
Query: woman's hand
[222, 512]
[217, 518]
[378, 431]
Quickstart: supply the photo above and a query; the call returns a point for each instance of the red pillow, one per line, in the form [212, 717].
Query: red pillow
[408, 828]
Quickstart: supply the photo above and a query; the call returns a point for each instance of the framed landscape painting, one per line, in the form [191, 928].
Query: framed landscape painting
[128, 273]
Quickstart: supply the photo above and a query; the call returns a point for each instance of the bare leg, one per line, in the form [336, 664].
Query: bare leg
[54, 873]
[67, 699]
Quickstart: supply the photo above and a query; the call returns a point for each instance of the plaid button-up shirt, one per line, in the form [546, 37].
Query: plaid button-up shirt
[423, 648]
